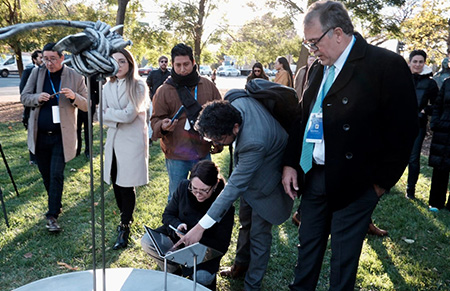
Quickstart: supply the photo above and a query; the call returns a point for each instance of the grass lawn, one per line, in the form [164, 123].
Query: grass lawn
[415, 256]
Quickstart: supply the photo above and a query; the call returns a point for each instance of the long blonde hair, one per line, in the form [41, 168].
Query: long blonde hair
[136, 89]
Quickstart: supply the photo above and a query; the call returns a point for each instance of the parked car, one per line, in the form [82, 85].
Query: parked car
[229, 72]
[205, 70]
[145, 70]
[9, 66]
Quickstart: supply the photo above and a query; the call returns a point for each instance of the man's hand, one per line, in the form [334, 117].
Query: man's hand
[192, 237]
[43, 97]
[68, 93]
[289, 180]
[168, 125]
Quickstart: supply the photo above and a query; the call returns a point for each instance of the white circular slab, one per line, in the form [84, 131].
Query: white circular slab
[117, 279]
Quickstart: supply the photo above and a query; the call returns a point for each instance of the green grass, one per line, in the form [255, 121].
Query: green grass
[28, 252]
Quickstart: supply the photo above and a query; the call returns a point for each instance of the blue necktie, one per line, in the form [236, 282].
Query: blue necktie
[308, 147]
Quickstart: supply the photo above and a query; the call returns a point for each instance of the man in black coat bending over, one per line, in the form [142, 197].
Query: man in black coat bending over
[352, 141]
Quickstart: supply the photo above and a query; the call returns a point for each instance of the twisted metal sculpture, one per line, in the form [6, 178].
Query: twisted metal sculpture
[91, 49]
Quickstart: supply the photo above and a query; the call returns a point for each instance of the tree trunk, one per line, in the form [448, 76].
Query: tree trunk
[303, 55]
[198, 31]
[121, 10]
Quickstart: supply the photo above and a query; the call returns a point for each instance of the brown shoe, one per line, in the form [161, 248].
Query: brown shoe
[234, 272]
[296, 218]
[373, 230]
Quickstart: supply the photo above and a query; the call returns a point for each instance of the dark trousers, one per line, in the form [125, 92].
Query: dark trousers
[414, 160]
[253, 246]
[50, 160]
[82, 121]
[347, 226]
[438, 191]
[125, 196]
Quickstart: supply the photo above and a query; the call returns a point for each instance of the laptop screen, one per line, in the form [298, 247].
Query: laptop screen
[161, 241]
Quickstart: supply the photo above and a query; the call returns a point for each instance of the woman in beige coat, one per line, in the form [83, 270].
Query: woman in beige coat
[125, 108]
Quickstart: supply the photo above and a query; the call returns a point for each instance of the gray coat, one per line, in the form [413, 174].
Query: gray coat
[67, 110]
[256, 177]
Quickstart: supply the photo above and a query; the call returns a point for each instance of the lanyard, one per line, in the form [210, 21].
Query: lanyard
[53, 86]
[195, 92]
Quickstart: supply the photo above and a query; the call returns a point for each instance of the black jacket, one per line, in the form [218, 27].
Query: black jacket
[369, 122]
[155, 79]
[426, 92]
[184, 208]
[440, 125]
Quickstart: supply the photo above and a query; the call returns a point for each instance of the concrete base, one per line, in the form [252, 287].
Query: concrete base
[123, 279]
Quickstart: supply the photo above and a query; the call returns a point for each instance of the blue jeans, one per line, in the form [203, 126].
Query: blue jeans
[179, 170]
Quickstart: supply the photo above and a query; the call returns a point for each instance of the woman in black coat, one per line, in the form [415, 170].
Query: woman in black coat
[440, 148]
[188, 205]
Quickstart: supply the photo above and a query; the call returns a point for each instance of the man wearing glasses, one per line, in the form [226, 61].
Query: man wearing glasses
[54, 92]
[352, 142]
[256, 180]
[154, 80]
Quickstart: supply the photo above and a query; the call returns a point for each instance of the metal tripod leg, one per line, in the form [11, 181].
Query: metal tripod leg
[9, 171]
[4, 208]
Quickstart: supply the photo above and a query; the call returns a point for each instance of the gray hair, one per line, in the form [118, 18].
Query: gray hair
[331, 14]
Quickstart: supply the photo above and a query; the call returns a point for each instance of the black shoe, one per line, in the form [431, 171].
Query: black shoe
[52, 225]
[410, 193]
[122, 238]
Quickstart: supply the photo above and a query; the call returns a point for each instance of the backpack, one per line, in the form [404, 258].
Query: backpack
[281, 101]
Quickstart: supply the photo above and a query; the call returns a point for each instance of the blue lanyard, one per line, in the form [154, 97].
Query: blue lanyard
[53, 86]
[195, 91]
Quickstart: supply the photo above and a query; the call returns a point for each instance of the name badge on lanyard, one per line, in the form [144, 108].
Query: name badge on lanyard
[315, 129]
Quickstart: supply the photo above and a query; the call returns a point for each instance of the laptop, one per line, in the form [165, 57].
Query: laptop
[184, 256]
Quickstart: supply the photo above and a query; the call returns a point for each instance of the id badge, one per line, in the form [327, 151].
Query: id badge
[187, 125]
[55, 114]
[315, 130]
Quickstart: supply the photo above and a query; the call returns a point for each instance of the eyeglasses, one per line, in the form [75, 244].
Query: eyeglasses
[313, 45]
[122, 62]
[163, 62]
[50, 60]
[257, 71]
[199, 191]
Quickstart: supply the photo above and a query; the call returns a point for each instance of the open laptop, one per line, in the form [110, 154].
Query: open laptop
[184, 256]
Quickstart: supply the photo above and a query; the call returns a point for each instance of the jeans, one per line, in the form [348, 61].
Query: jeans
[179, 170]
[51, 164]
[414, 161]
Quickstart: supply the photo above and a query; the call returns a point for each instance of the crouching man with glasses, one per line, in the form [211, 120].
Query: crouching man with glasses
[54, 92]
[256, 179]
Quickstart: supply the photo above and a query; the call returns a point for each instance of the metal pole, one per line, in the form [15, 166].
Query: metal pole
[94, 278]
[195, 272]
[8, 169]
[4, 208]
[102, 184]
[165, 274]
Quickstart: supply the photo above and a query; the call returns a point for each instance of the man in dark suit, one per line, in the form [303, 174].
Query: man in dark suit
[256, 180]
[352, 142]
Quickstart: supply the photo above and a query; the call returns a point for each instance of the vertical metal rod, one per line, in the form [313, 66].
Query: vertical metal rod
[195, 272]
[8, 169]
[165, 274]
[102, 184]
[4, 208]
[94, 259]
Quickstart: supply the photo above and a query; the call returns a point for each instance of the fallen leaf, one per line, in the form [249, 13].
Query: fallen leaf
[67, 266]
[10, 127]
[73, 170]
[28, 255]
[408, 240]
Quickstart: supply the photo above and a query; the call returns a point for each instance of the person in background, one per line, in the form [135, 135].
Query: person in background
[443, 73]
[352, 140]
[189, 203]
[440, 149]
[36, 58]
[83, 120]
[214, 76]
[257, 72]
[154, 80]
[183, 147]
[124, 107]
[426, 93]
[284, 74]
[55, 92]
[300, 77]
